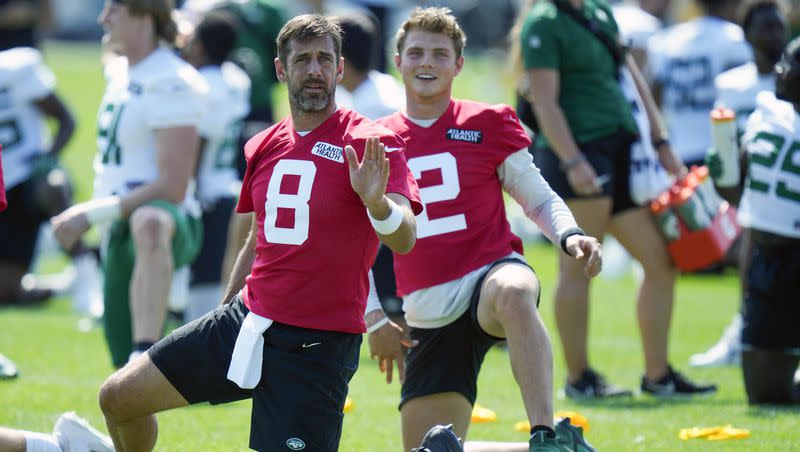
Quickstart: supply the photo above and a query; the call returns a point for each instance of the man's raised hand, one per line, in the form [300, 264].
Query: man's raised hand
[369, 176]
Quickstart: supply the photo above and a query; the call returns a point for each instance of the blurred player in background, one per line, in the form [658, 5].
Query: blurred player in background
[37, 187]
[218, 182]
[147, 152]
[769, 208]
[765, 28]
[683, 61]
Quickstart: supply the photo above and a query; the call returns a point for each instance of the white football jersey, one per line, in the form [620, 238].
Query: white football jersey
[161, 91]
[771, 198]
[377, 96]
[737, 89]
[24, 79]
[228, 104]
[685, 59]
[636, 25]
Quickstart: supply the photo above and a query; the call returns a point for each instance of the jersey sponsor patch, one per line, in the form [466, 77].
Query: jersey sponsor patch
[470, 136]
[328, 151]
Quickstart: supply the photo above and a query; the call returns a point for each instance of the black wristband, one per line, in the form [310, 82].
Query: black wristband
[567, 234]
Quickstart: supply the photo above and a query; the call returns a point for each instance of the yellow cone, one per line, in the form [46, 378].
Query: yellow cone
[715, 433]
[481, 414]
[349, 405]
[575, 418]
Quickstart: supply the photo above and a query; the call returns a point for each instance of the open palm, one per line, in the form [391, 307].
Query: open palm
[369, 176]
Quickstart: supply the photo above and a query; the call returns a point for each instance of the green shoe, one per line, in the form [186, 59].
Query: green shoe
[572, 436]
[542, 442]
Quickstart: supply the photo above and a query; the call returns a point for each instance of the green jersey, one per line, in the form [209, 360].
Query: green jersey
[259, 23]
[589, 92]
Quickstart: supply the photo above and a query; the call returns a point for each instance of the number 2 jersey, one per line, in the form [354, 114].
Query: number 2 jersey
[24, 79]
[159, 92]
[315, 243]
[455, 162]
[771, 198]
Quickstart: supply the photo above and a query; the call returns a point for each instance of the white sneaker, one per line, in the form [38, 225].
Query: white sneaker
[726, 352]
[74, 434]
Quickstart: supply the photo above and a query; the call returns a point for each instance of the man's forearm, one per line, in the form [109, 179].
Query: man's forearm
[242, 268]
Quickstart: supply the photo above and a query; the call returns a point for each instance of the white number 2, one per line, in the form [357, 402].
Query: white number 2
[447, 190]
[297, 234]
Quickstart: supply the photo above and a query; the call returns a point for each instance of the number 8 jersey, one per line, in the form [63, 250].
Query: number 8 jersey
[771, 198]
[315, 243]
[455, 162]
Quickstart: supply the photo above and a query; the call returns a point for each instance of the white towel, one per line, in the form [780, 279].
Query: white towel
[248, 353]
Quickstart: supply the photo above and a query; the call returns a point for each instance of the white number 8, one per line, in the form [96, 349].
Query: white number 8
[297, 234]
[449, 189]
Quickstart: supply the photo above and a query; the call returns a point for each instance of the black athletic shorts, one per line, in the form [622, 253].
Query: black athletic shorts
[449, 358]
[610, 156]
[772, 302]
[298, 403]
[19, 225]
[207, 266]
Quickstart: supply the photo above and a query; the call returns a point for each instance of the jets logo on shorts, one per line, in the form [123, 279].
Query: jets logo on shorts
[328, 151]
[295, 444]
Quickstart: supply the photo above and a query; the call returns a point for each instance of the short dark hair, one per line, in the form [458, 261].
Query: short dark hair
[217, 34]
[359, 40]
[750, 8]
[433, 20]
[305, 27]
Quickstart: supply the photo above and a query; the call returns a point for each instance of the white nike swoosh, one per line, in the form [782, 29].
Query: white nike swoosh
[311, 345]
[388, 149]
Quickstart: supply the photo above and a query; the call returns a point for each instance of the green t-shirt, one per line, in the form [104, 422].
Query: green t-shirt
[589, 93]
[259, 22]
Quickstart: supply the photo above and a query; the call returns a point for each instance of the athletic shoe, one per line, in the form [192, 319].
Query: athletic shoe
[726, 352]
[570, 437]
[543, 441]
[8, 369]
[74, 434]
[592, 385]
[673, 384]
[440, 438]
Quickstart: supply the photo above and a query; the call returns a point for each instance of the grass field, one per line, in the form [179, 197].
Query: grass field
[62, 368]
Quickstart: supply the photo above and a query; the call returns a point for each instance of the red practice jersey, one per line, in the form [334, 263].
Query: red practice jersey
[315, 242]
[455, 160]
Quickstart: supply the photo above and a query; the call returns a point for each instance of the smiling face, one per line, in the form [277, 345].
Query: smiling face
[311, 72]
[428, 63]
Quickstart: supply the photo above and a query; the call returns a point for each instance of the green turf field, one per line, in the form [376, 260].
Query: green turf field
[62, 368]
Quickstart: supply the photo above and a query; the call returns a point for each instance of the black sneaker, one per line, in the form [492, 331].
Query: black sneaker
[673, 384]
[592, 385]
[440, 438]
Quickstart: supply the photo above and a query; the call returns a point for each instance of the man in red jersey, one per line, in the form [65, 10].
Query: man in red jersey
[466, 285]
[325, 185]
